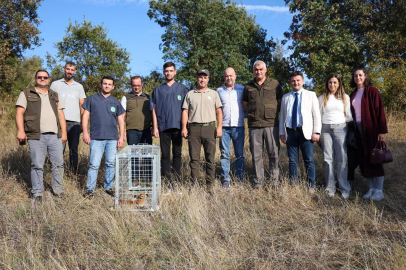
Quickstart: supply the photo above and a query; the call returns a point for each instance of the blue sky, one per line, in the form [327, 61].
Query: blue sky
[128, 24]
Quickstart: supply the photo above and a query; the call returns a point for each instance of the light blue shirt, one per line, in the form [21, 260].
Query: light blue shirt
[233, 113]
[291, 100]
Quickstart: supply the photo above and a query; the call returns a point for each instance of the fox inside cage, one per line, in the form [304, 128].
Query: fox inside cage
[138, 178]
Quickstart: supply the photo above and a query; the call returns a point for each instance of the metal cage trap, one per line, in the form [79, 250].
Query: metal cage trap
[138, 178]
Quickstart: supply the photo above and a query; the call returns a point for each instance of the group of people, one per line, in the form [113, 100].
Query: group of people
[50, 116]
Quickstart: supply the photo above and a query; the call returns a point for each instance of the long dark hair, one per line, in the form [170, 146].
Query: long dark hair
[367, 78]
[339, 94]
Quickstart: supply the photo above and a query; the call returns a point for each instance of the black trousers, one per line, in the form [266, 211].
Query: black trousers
[167, 137]
[73, 129]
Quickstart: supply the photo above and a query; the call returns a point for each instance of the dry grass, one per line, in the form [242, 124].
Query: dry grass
[284, 228]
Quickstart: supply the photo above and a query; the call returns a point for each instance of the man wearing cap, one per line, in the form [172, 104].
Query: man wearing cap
[233, 127]
[72, 95]
[138, 117]
[201, 108]
[167, 100]
[261, 98]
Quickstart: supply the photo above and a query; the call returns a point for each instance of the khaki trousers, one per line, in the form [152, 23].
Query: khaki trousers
[202, 136]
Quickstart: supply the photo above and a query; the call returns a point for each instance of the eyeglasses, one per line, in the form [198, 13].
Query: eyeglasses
[42, 77]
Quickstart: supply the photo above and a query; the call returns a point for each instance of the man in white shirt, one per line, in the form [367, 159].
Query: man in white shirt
[72, 95]
[233, 127]
[300, 126]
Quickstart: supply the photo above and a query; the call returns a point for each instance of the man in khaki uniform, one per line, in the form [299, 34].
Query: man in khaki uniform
[261, 99]
[40, 119]
[201, 108]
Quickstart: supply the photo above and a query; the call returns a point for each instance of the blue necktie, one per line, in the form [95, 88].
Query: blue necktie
[294, 111]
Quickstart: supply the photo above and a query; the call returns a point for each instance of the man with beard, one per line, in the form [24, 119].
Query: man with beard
[167, 100]
[201, 108]
[72, 95]
[233, 127]
[40, 119]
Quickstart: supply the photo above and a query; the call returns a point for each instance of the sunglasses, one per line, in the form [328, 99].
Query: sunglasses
[42, 77]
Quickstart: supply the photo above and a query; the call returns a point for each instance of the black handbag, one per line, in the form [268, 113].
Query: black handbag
[380, 154]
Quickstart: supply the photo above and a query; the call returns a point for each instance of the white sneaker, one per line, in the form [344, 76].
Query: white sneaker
[330, 193]
[345, 195]
[378, 195]
[368, 194]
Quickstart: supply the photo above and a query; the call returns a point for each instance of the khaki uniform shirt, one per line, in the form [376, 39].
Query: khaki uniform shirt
[202, 106]
[48, 120]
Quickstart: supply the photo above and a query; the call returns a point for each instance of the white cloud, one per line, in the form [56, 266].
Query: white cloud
[266, 8]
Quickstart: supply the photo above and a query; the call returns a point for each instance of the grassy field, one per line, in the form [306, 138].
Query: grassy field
[239, 228]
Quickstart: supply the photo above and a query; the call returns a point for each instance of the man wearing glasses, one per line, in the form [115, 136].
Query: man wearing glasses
[41, 121]
[138, 116]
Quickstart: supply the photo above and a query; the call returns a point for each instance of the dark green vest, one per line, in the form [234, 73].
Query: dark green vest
[263, 105]
[138, 112]
[32, 115]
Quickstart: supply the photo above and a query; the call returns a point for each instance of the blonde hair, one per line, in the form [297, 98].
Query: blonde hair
[339, 94]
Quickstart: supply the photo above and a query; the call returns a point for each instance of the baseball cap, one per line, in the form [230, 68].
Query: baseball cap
[203, 71]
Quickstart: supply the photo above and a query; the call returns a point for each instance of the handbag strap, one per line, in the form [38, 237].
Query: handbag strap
[378, 145]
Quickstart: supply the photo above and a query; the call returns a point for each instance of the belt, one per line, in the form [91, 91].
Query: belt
[295, 129]
[202, 124]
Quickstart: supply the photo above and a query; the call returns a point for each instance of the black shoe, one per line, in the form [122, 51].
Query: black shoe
[37, 200]
[110, 192]
[58, 196]
[90, 194]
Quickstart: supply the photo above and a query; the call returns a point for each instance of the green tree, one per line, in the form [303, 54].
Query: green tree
[25, 74]
[210, 34]
[151, 81]
[322, 44]
[18, 32]
[95, 54]
[334, 36]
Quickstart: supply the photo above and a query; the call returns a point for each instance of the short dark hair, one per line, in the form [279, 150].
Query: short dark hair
[169, 64]
[107, 78]
[70, 63]
[40, 70]
[135, 78]
[296, 73]
[367, 78]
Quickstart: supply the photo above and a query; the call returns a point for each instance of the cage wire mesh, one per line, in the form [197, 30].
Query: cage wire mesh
[138, 178]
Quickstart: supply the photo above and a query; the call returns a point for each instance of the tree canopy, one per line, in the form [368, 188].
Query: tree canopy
[210, 34]
[95, 54]
[337, 35]
[18, 32]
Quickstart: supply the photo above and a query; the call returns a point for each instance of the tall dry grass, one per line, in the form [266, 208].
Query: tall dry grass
[239, 228]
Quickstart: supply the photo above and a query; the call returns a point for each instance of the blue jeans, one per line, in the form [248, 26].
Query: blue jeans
[97, 148]
[295, 141]
[237, 135]
[135, 136]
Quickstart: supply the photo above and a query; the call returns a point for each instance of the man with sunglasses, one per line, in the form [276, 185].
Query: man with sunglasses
[41, 121]
[72, 95]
